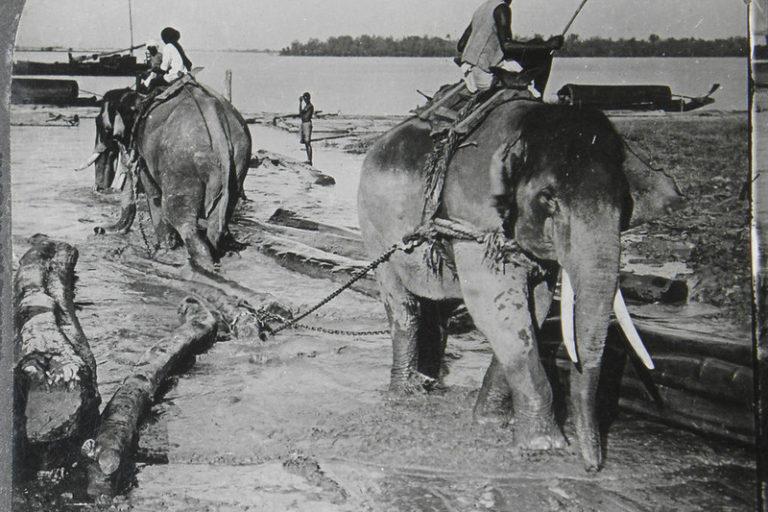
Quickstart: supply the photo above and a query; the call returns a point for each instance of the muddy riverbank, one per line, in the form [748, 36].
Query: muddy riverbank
[303, 421]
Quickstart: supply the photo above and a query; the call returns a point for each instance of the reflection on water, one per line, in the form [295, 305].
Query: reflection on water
[387, 85]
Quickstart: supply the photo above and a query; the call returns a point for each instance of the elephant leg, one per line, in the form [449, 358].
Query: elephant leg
[405, 314]
[494, 401]
[181, 211]
[432, 335]
[127, 210]
[165, 233]
[500, 306]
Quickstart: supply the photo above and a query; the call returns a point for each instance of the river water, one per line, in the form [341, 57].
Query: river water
[387, 85]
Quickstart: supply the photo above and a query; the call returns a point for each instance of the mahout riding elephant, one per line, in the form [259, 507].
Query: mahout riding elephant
[190, 152]
[566, 196]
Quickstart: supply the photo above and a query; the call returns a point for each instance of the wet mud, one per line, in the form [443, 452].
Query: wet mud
[304, 421]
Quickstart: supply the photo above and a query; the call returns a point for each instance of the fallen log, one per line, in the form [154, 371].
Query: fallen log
[693, 386]
[282, 162]
[55, 369]
[313, 262]
[110, 449]
[288, 218]
[319, 239]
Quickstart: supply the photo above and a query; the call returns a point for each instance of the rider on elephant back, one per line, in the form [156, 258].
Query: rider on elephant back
[174, 64]
[488, 51]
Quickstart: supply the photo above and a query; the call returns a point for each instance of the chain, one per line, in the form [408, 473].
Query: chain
[340, 332]
[375, 263]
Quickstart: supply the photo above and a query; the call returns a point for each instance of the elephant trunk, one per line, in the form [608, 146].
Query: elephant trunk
[127, 207]
[588, 251]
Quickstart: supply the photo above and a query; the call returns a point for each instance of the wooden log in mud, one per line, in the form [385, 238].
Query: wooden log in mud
[284, 163]
[123, 414]
[313, 262]
[57, 398]
[692, 386]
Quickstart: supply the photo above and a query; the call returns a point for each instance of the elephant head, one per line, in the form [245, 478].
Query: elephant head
[113, 127]
[567, 200]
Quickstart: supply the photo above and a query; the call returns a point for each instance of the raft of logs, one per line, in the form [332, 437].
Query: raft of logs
[56, 396]
[703, 378]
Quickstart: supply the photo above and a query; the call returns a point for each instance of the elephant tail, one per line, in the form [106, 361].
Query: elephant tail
[219, 192]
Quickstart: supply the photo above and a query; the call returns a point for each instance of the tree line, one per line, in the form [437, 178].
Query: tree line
[430, 46]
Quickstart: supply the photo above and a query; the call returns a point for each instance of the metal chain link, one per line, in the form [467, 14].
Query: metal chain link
[375, 263]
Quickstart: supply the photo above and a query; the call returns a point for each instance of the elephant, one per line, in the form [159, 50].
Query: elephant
[191, 153]
[564, 196]
[106, 151]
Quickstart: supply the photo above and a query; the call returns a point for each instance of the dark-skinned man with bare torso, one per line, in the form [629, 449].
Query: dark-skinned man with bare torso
[487, 45]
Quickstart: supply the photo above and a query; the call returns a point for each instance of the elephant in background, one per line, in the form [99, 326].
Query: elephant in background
[106, 151]
[190, 153]
[565, 196]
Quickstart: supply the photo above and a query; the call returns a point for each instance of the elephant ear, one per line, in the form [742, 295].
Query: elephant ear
[654, 193]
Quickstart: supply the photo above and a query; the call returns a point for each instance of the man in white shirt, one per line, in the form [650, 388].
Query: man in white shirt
[175, 63]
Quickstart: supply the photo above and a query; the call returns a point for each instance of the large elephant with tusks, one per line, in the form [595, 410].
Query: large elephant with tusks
[567, 195]
[191, 153]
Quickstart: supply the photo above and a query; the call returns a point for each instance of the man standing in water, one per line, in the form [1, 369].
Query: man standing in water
[306, 111]
[487, 43]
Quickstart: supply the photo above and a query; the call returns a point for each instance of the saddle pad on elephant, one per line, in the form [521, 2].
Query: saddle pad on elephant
[453, 114]
[453, 107]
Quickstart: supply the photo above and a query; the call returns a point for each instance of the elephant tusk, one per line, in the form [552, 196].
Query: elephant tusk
[625, 321]
[90, 161]
[566, 316]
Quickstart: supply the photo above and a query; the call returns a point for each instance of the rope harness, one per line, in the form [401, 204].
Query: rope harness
[498, 248]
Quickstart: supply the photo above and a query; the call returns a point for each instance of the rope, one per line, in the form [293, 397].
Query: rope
[430, 231]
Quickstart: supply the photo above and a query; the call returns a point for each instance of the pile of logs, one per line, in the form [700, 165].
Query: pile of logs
[57, 401]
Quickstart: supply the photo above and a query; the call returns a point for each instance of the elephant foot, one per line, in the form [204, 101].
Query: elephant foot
[412, 383]
[537, 433]
[492, 410]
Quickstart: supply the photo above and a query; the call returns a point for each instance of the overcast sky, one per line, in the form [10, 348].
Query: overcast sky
[273, 24]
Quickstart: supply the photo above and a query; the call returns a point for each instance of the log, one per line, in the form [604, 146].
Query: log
[55, 368]
[319, 239]
[317, 177]
[289, 218]
[313, 262]
[690, 388]
[124, 412]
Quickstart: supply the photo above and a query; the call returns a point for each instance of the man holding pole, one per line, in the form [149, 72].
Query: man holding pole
[487, 47]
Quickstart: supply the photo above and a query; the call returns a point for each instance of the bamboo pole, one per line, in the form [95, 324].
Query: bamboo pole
[122, 417]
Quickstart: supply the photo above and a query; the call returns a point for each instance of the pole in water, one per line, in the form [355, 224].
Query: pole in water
[228, 85]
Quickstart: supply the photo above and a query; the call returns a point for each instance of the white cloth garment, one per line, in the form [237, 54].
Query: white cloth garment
[172, 63]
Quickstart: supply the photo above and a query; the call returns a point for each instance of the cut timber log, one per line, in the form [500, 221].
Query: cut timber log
[282, 162]
[57, 396]
[313, 262]
[124, 412]
[693, 386]
[289, 218]
[319, 239]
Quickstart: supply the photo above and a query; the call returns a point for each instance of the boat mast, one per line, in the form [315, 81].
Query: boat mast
[130, 24]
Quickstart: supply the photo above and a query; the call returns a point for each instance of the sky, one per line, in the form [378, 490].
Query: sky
[273, 24]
